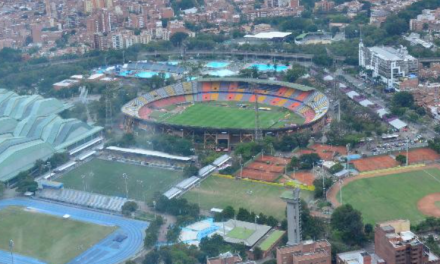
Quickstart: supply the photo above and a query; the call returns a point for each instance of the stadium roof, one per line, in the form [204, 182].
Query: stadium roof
[260, 81]
[259, 231]
[149, 153]
[30, 129]
[269, 35]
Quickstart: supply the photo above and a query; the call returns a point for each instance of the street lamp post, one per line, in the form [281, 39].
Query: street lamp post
[11, 249]
[125, 176]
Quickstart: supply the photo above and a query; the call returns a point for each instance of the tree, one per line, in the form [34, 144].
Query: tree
[190, 170]
[403, 99]
[127, 140]
[336, 168]
[258, 253]
[129, 208]
[130, 262]
[272, 221]
[322, 60]
[243, 215]
[319, 190]
[294, 163]
[2, 189]
[295, 73]
[347, 223]
[26, 183]
[308, 160]
[212, 246]
[178, 38]
[228, 212]
[401, 159]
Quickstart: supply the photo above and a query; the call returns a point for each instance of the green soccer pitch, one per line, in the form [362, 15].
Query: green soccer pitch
[229, 115]
[257, 197]
[392, 196]
[240, 233]
[48, 238]
[105, 177]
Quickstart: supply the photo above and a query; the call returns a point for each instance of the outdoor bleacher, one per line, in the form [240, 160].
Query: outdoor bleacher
[65, 166]
[86, 199]
[205, 171]
[221, 160]
[309, 103]
[188, 183]
[171, 193]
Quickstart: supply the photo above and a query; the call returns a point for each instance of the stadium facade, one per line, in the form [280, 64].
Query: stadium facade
[31, 130]
[305, 101]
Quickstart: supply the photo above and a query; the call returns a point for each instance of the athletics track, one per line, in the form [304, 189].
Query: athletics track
[106, 251]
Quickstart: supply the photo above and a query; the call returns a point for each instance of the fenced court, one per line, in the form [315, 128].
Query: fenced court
[264, 168]
[420, 155]
[325, 152]
[305, 177]
[374, 163]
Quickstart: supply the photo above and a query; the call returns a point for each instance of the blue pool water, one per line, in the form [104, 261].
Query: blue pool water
[149, 74]
[217, 64]
[221, 73]
[124, 73]
[270, 67]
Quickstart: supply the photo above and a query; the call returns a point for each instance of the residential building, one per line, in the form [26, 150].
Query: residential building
[324, 6]
[396, 244]
[36, 33]
[428, 20]
[307, 252]
[387, 63]
[358, 257]
[228, 258]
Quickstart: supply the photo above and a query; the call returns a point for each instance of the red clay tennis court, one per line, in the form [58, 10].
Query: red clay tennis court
[420, 155]
[305, 177]
[326, 152]
[374, 163]
[266, 168]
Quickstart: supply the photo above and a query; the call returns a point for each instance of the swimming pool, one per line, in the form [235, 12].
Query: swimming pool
[222, 73]
[269, 67]
[217, 64]
[124, 73]
[149, 74]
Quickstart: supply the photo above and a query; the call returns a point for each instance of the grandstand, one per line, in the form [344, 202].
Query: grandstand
[304, 101]
[86, 199]
[31, 130]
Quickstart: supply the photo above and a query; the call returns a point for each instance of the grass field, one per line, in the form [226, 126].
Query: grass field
[257, 197]
[268, 242]
[240, 233]
[106, 178]
[393, 196]
[215, 115]
[45, 237]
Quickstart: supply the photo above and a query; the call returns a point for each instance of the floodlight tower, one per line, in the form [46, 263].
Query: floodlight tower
[258, 132]
[293, 216]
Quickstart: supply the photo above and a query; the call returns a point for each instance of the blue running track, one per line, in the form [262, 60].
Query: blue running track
[106, 251]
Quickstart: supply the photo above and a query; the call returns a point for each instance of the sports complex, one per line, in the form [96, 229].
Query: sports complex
[47, 233]
[228, 110]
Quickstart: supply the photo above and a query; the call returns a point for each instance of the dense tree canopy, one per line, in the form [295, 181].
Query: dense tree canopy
[347, 222]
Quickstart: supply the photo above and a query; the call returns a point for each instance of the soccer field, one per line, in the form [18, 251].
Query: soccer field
[228, 115]
[257, 197]
[105, 177]
[393, 196]
[48, 238]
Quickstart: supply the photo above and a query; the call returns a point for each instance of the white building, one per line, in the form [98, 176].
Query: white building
[388, 63]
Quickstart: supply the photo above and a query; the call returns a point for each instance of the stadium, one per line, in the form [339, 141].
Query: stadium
[228, 110]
